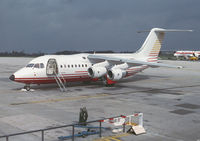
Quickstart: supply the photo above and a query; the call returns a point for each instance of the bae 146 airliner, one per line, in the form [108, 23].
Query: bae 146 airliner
[109, 68]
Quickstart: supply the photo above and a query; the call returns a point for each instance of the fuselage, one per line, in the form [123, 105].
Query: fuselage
[69, 67]
[186, 53]
[87, 67]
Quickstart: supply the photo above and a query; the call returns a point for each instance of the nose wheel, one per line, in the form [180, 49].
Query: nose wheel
[27, 87]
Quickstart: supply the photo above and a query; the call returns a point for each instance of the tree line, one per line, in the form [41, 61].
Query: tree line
[23, 54]
[19, 54]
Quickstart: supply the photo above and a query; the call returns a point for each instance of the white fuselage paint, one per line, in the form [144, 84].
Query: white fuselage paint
[70, 67]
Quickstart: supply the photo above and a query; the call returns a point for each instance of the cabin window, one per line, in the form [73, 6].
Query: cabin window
[85, 65]
[37, 65]
[75, 65]
[61, 66]
[68, 66]
[82, 65]
[30, 65]
[72, 66]
[79, 65]
[84, 57]
[65, 66]
[41, 65]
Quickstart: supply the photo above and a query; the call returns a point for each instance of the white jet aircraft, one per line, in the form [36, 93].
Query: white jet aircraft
[187, 54]
[108, 68]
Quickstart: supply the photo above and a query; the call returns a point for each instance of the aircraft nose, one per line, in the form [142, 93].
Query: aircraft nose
[12, 77]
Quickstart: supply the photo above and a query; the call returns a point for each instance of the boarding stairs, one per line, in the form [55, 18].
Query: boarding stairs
[59, 80]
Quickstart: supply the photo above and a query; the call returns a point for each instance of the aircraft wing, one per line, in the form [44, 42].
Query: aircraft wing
[129, 61]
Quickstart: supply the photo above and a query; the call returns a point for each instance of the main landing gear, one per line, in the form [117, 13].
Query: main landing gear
[27, 87]
[107, 82]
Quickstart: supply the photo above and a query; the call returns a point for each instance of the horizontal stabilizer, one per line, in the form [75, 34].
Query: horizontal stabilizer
[165, 30]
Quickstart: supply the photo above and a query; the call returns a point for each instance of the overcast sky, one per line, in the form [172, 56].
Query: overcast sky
[56, 25]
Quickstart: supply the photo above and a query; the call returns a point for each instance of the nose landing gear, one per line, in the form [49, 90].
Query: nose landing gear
[27, 87]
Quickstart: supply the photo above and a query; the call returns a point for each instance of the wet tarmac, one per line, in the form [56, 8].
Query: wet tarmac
[168, 98]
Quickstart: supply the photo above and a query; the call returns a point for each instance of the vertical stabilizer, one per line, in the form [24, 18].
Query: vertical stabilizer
[152, 45]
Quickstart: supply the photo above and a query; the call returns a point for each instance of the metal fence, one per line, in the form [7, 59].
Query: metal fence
[63, 126]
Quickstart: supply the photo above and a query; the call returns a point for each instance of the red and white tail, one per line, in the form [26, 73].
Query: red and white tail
[151, 47]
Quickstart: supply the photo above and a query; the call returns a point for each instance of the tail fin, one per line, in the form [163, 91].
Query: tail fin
[151, 47]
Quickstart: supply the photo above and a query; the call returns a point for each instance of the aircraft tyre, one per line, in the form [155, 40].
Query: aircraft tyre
[110, 85]
[86, 82]
[105, 82]
[27, 87]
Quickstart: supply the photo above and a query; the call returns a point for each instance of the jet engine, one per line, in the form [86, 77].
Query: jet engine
[116, 74]
[96, 72]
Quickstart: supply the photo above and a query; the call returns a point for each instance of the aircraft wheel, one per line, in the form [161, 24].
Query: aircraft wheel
[86, 82]
[104, 80]
[27, 87]
[110, 85]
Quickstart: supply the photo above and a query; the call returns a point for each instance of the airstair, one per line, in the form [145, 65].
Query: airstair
[52, 70]
[59, 80]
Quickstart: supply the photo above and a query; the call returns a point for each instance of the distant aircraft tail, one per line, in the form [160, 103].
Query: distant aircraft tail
[151, 47]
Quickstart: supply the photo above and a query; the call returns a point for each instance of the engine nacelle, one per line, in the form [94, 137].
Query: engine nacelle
[116, 74]
[96, 72]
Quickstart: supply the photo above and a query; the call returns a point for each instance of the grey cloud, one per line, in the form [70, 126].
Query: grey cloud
[55, 25]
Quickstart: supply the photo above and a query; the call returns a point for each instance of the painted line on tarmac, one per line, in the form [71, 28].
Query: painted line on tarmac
[79, 97]
[115, 139]
[100, 95]
[111, 138]
[61, 99]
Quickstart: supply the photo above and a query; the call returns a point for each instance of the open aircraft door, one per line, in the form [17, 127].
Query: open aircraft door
[52, 67]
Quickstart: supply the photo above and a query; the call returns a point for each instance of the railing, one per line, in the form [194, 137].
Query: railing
[59, 81]
[63, 126]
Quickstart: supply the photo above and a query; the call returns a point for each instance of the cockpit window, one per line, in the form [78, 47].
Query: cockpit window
[30, 65]
[36, 65]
